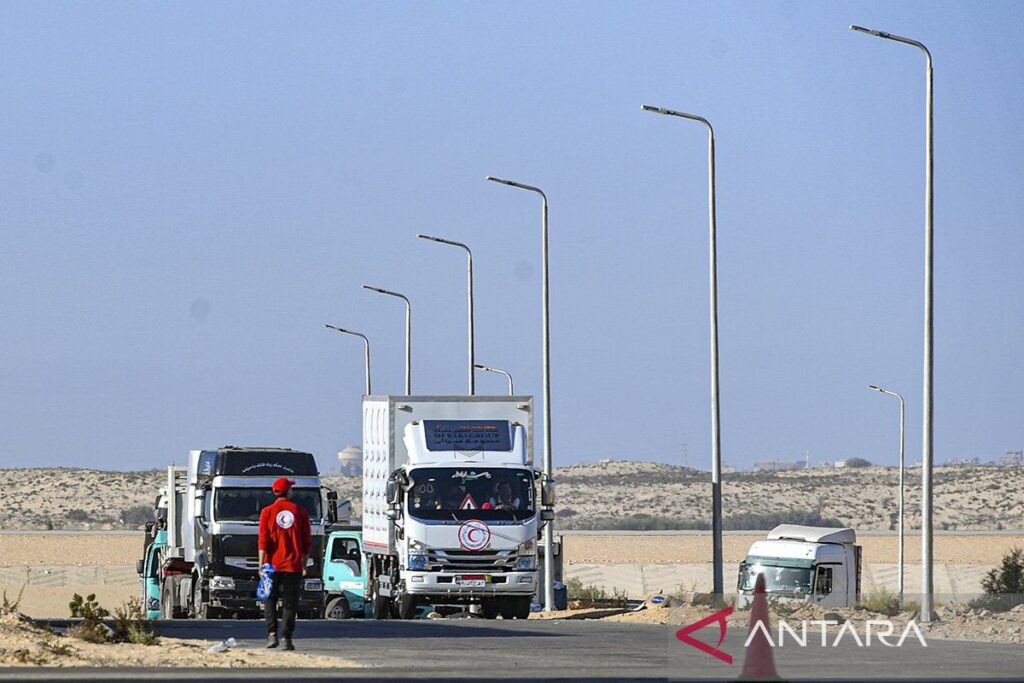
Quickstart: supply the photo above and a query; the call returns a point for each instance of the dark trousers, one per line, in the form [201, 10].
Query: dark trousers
[287, 586]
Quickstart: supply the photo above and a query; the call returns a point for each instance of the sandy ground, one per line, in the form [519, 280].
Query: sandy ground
[24, 643]
[965, 550]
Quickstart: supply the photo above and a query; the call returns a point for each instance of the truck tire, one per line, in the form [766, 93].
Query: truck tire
[380, 605]
[338, 608]
[167, 608]
[407, 606]
[521, 606]
[200, 608]
[491, 607]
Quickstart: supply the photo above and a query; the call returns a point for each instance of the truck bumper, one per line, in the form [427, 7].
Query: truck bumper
[496, 584]
[238, 601]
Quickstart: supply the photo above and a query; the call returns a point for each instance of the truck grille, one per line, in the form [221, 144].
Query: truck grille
[467, 560]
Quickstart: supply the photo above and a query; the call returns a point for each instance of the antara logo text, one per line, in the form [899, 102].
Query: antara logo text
[804, 633]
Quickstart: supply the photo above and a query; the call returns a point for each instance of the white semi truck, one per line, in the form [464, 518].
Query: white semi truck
[450, 507]
[804, 563]
[211, 509]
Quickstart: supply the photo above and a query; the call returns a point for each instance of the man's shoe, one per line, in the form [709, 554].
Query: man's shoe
[272, 642]
[288, 644]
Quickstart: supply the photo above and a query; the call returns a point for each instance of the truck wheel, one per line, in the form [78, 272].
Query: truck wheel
[337, 608]
[380, 605]
[491, 607]
[407, 607]
[521, 606]
[167, 610]
[200, 609]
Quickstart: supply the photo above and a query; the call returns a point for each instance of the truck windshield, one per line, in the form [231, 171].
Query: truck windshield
[777, 579]
[488, 494]
[245, 504]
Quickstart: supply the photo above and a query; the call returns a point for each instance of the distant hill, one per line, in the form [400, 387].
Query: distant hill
[605, 495]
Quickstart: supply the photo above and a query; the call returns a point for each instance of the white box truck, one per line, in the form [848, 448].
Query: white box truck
[804, 563]
[450, 507]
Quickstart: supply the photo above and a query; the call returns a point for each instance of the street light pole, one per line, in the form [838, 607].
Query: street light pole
[508, 376]
[899, 552]
[549, 586]
[366, 351]
[716, 432]
[408, 333]
[927, 585]
[469, 277]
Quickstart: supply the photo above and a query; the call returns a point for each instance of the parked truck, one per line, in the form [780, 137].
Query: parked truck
[344, 575]
[804, 563]
[205, 562]
[450, 508]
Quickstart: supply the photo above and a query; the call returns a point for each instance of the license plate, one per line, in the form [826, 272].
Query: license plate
[472, 580]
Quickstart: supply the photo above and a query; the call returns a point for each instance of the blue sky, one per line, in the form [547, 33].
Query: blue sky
[189, 192]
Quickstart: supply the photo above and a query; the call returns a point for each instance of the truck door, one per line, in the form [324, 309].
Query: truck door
[830, 585]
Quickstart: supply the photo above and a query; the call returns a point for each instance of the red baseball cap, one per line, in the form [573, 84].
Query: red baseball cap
[281, 486]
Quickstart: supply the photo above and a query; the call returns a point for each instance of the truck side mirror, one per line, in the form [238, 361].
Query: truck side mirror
[391, 492]
[547, 515]
[547, 493]
[392, 514]
[140, 566]
[332, 511]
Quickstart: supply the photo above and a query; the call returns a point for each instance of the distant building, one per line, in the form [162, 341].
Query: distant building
[1012, 459]
[350, 461]
[839, 464]
[778, 466]
[964, 462]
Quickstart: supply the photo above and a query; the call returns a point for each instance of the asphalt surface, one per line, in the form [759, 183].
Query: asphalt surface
[564, 650]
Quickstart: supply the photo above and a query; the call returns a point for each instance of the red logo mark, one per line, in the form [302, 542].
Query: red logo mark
[720, 616]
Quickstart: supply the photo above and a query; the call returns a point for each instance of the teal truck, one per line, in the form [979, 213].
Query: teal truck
[344, 575]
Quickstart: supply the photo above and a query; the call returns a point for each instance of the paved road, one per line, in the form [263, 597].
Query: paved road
[574, 650]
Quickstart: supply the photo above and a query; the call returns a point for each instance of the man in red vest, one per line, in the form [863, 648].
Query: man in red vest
[285, 542]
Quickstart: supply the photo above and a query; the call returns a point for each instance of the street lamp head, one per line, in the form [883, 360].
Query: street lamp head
[494, 179]
[656, 110]
[869, 31]
[430, 237]
[375, 289]
[872, 387]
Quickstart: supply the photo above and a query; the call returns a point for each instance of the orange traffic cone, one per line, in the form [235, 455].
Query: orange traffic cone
[759, 662]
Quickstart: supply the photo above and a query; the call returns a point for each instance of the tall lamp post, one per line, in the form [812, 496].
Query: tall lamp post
[716, 433]
[366, 351]
[549, 586]
[408, 333]
[469, 278]
[927, 585]
[899, 552]
[508, 376]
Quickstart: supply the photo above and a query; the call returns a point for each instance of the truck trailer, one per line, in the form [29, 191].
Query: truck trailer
[450, 508]
[805, 564]
[205, 562]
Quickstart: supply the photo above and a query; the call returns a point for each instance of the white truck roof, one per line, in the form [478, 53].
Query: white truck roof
[812, 534]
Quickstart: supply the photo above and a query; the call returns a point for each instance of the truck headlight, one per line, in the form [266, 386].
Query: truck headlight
[222, 583]
[526, 563]
[153, 604]
[313, 585]
[417, 562]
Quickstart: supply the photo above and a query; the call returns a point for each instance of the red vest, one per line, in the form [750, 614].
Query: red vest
[285, 535]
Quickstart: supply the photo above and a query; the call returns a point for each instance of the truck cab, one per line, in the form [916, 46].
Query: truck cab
[818, 565]
[345, 575]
